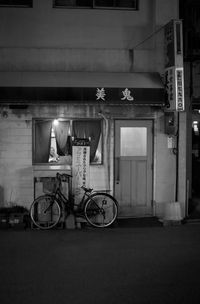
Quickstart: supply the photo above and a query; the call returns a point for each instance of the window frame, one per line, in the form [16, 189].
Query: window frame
[72, 6]
[115, 7]
[17, 4]
[71, 120]
[94, 6]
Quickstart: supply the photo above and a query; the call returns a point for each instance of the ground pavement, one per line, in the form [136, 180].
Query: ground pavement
[123, 264]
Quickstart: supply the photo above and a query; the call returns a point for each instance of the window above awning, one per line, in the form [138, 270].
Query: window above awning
[81, 87]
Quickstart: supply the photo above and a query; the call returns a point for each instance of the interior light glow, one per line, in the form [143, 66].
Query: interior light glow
[56, 122]
[195, 126]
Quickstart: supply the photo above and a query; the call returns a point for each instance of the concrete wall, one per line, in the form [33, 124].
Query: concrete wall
[46, 39]
[165, 168]
[16, 178]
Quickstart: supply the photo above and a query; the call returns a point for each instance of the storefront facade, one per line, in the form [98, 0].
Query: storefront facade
[67, 81]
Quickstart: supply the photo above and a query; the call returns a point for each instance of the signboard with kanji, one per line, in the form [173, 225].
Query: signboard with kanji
[173, 44]
[179, 84]
[169, 45]
[174, 81]
[80, 167]
[83, 95]
[170, 87]
[174, 74]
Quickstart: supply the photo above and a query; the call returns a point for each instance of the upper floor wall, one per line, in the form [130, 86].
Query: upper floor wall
[50, 39]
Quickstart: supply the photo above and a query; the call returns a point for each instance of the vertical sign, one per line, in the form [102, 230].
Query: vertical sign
[174, 85]
[170, 86]
[80, 167]
[173, 44]
[169, 45]
[179, 89]
[174, 74]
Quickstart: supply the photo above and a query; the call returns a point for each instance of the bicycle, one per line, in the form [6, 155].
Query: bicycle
[100, 209]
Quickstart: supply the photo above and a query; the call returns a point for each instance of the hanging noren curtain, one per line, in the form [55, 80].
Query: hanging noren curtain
[88, 129]
[62, 138]
[42, 140]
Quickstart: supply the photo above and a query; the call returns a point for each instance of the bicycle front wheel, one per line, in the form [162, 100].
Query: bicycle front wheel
[45, 212]
[101, 210]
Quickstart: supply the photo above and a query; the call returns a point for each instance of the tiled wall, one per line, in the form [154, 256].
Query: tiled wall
[16, 182]
[46, 39]
[17, 172]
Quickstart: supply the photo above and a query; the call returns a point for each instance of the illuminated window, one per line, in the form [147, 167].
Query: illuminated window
[133, 141]
[52, 140]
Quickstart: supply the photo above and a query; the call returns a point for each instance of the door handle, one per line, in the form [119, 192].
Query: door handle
[117, 169]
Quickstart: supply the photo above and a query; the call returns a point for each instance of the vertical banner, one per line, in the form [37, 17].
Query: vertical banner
[179, 78]
[170, 87]
[174, 73]
[80, 167]
[174, 85]
[169, 45]
[173, 44]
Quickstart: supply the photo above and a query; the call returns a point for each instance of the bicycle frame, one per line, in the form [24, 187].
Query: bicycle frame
[69, 203]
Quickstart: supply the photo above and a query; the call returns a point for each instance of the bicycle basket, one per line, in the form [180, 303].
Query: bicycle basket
[49, 185]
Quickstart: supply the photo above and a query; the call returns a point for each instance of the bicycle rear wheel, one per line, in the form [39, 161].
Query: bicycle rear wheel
[45, 212]
[101, 210]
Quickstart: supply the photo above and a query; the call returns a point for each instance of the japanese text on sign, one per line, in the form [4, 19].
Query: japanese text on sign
[174, 86]
[126, 94]
[80, 170]
[179, 90]
[170, 85]
[101, 94]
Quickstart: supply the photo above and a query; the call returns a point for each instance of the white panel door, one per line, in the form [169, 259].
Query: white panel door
[133, 167]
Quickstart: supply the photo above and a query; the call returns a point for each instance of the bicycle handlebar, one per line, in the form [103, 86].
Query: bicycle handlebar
[86, 189]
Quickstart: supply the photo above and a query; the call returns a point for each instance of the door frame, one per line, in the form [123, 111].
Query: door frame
[152, 157]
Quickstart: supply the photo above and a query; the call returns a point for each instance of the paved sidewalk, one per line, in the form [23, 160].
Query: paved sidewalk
[136, 265]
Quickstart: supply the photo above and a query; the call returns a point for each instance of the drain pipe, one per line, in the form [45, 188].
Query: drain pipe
[177, 159]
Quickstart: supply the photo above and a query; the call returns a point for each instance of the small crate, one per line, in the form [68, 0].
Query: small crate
[16, 220]
[13, 217]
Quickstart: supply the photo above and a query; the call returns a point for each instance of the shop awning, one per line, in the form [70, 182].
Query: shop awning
[81, 87]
